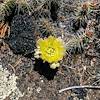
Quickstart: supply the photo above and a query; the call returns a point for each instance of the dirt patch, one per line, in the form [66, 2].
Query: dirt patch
[36, 80]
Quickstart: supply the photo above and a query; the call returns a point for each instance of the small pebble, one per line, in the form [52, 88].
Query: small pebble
[42, 81]
[38, 90]
[93, 61]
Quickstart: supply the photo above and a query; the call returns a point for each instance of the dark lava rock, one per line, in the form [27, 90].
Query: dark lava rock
[21, 39]
[81, 93]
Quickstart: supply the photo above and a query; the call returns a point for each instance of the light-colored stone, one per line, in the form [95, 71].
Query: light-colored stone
[8, 84]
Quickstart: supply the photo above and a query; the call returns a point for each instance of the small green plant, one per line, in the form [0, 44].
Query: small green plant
[46, 28]
[9, 7]
[6, 8]
[23, 6]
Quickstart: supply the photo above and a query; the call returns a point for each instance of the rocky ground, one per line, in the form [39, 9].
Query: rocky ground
[22, 77]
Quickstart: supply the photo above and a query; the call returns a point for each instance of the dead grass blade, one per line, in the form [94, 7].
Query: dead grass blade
[79, 87]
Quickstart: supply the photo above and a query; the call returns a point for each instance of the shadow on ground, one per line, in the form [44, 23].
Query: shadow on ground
[44, 69]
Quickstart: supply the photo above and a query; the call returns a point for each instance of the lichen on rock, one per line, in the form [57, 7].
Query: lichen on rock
[7, 83]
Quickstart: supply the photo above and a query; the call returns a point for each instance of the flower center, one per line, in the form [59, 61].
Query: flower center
[50, 51]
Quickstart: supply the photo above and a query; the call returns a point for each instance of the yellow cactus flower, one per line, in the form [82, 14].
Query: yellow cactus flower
[51, 49]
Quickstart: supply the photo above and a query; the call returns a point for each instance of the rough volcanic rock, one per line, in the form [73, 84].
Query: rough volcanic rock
[21, 39]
